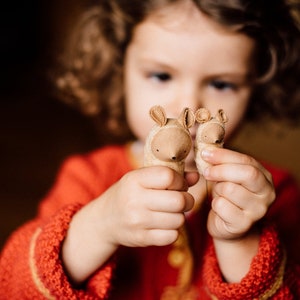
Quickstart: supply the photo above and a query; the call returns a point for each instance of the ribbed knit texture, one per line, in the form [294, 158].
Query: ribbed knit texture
[264, 279]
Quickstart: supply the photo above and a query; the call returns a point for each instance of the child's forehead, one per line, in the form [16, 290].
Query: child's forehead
[184, 15]
[191, 41]
[182, 23]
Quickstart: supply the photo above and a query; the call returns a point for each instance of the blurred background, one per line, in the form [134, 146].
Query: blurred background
[38, 132]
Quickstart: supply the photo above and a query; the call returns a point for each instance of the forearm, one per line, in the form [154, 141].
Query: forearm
[235, 256]
[31, 266]
[85, 248]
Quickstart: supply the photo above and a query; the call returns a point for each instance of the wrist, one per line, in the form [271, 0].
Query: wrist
[85, 248]
[237, 252]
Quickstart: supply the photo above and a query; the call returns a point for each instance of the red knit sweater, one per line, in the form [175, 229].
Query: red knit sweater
[31, 267]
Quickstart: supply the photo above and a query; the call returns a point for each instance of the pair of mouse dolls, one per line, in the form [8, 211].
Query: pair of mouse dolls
[169, 141]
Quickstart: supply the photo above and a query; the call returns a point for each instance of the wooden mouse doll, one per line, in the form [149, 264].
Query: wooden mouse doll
[169, 141]
[210, 133]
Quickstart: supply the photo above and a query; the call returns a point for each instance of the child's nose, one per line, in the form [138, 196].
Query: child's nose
[190, 96]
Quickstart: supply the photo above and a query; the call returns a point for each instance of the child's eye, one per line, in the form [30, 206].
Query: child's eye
[161, 76]
[222, 85]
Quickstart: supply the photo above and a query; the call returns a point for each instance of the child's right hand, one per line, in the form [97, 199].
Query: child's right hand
[145, 207]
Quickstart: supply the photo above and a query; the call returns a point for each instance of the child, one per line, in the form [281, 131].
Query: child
[107, 229]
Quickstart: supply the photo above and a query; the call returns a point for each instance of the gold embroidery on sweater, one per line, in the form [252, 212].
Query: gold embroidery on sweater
[37, 281]
[181, 257]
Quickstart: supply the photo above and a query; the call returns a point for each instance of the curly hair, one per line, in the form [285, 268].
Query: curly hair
[90, 75]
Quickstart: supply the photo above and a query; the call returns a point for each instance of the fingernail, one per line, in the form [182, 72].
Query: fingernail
[206, 153]
[206, 172]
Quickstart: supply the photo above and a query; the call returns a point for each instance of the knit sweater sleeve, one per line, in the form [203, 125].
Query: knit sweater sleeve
[270, 275]
[275, 270]
[30, 264]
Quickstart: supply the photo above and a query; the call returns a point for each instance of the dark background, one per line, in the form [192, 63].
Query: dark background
[37, 132]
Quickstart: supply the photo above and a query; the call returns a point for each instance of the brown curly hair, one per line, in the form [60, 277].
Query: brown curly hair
[90, 76]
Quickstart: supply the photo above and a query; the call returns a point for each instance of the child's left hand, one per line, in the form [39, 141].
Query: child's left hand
[242, 192]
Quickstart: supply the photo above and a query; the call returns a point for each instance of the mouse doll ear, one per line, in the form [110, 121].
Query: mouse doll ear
[221, 116]
[157, 113]
[186, 118]
[202, 115]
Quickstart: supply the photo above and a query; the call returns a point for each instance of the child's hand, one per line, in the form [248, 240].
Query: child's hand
[146, 207]
[242, 193]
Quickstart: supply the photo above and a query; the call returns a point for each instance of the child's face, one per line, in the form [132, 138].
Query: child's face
[181, 58]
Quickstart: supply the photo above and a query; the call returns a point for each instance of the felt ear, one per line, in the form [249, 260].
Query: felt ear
[221, 116]
[202, 115]
[186, 118]
[157, 113]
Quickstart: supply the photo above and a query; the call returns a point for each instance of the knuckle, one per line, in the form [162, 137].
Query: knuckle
[272, 196]
[225, 188]
[248, 160]
[134, 219]
[218, 203]
[252, 173]
[166, 175]
[127, 179]
[261, 211]
[269, 196]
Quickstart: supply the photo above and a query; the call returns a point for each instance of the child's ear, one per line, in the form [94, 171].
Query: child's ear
[157, 113]
[221, 116]
[187, 118]
[202, 115]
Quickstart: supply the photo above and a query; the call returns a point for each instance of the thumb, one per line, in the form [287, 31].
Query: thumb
[191, 178]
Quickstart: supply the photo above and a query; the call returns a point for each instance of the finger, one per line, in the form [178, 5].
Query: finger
[233, 218]
[169, 201]
[191, 177]
[226, 156]
[220, 229]
[161, 178]
[159, 237]
[249, 177]
[242, 198]
[165, 221]
[226, 210]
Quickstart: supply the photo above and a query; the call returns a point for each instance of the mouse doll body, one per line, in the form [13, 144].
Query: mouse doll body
[169, 141]
[210, 133]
